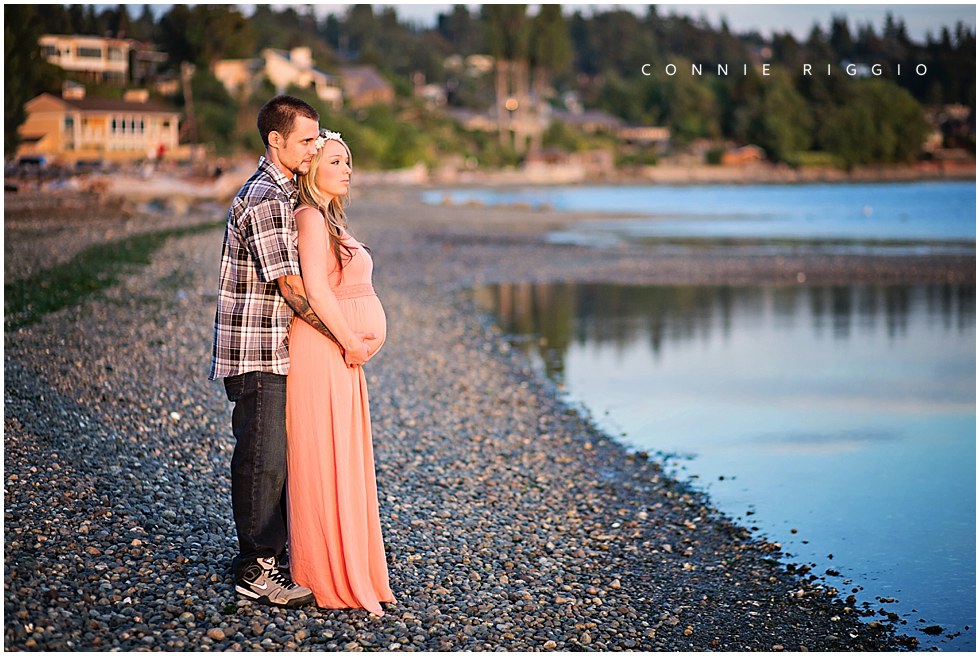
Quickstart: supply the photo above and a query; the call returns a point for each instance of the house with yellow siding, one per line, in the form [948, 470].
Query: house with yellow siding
[72, 127]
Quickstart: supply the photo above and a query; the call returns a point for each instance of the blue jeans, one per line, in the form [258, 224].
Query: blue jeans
[258, 466]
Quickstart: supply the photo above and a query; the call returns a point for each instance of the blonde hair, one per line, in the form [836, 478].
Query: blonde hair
[332, 209]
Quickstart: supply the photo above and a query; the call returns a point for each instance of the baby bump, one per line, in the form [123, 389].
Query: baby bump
[365, 315]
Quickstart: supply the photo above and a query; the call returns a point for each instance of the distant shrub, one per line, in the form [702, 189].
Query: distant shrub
[713, 156]
[816, 159]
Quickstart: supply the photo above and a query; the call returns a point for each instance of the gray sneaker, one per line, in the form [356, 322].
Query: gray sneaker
[263, 582]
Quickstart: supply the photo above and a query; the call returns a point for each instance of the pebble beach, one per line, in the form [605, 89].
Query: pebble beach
[511, 522]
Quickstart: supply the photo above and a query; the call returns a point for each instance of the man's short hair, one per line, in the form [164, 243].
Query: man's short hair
[279, 115]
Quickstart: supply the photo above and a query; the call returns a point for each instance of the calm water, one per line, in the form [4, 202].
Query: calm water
[923, 216]
[841, 421]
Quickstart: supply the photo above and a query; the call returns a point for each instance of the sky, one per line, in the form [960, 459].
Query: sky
[798, 19]
[766, 18]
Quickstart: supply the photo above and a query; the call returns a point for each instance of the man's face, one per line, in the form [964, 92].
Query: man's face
[296, 150]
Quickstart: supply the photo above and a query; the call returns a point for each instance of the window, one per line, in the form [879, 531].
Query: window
[90, 53]
[69, 133]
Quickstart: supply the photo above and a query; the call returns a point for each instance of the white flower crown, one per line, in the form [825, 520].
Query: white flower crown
[325, 136]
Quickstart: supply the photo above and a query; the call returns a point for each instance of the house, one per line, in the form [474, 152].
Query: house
[471, 66]
[239, 76]
[744, 155]
[591, 121]
[146, 64]
[473, 120]
[644, 135]
[283, 69]
[296, 68]
[95, 58]
[71, 127]
[364, 85]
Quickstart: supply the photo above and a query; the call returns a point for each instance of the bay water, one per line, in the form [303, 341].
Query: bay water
[898, 218]
[839, 421]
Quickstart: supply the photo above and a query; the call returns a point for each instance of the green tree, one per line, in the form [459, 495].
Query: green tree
[26, 73]
[462, 30]
[840, 38]
[361, 29]
[118, 21]
[551, 46]
[509, 36]
[780, 122]
[214, 112]
[56, 20]
[881, 123]
[144, 26]
[683, 102]
[201, 34]
[633, 102]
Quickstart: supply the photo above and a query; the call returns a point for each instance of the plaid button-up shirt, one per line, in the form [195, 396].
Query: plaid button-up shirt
[251, 323]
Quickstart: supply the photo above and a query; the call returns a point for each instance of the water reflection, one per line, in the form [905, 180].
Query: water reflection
[558, 315]
[845, 413]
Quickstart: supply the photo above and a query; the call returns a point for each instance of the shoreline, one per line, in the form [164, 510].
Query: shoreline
[511, 521]
[673, 174]
[180, 188]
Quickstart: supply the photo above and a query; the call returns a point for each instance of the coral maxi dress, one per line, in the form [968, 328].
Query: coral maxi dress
[336, 548]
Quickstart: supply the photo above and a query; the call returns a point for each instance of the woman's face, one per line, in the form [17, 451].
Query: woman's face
[333, 173]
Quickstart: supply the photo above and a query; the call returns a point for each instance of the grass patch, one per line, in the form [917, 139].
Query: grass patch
[93, 269]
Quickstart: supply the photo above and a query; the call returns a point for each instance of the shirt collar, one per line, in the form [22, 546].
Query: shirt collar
[287, 184]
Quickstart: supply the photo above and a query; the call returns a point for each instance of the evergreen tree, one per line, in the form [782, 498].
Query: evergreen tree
[118, 21]
[26, 73]
[462, 30]
[784, 124]
[551, 48]
[879, 123]
[840, 38]
[201, 34]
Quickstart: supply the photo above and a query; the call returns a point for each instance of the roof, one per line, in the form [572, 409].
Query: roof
[591, 116]
[114, 105]
[364, 78]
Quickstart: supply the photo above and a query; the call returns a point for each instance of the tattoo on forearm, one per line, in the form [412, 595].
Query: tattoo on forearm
[301, 306]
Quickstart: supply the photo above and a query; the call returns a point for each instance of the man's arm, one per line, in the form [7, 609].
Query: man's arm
[292, 289]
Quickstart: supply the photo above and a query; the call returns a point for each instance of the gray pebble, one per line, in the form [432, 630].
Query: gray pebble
[511, 523]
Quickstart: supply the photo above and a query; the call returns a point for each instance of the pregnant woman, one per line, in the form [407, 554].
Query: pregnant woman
[336, 548]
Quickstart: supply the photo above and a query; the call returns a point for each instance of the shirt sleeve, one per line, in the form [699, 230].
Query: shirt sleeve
[270, 233]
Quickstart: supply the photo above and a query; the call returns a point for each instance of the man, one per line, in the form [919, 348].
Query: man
[259, 291]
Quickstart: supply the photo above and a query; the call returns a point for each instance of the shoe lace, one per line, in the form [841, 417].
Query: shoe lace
[280, 578]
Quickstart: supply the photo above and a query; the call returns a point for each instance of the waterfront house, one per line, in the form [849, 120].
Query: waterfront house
[743, 156]
[72, 127]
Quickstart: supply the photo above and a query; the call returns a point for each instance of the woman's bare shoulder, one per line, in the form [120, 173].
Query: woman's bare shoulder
[307, 213]
[307, 209]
